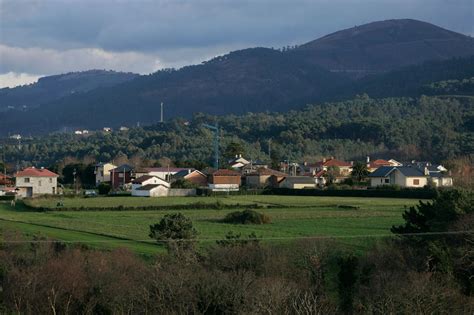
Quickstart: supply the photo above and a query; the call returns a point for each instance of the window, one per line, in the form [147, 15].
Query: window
[102, 173]
[39, 183]
[50, 180]
[416, 182]
[387, 180]
[120, 175]
[27, 179]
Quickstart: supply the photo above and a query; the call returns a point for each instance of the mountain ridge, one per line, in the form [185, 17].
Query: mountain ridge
[250, 80]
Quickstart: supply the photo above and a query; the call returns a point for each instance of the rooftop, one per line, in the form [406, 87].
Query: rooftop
[36, 172]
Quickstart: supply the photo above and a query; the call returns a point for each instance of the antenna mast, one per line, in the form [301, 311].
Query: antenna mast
[161, 118]
[215, 130]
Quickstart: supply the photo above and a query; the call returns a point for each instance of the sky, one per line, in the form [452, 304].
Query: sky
[45, 37]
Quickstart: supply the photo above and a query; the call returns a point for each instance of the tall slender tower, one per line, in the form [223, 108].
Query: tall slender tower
[161, 118]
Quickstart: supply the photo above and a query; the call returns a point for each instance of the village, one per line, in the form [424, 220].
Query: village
[239, 174]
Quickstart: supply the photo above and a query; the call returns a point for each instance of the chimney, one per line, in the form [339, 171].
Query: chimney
[427, 172]
[368, 159]
[352, 163]
[305, 163]
[324, 160]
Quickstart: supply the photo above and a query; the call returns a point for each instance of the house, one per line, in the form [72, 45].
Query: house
[33, 181]
[163, 172]
[238, 162]
[253, 166]
[403, 176]
[121, 175]
[150, 186]
[298, 182]
[439, 179]
[264, 177]
[5, 180]
[224, 180]
[409, 176]
[373, 165]
[151, 190]
[193, 176]
[345, 168]
[102, 172]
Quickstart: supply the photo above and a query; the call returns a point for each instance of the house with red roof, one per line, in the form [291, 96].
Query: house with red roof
[5, 180]
[32, 182]
[375, 164]
[345, 168]
[225, 180]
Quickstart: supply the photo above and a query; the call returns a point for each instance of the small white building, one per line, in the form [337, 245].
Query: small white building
[151, 190]
[150, 186]
[298, 182]
[33, 181]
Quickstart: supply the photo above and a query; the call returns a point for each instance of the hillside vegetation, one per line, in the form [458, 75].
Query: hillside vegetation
[426, 128]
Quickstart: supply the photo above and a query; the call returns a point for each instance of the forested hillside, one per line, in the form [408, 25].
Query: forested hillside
[431, 128]
[54, 87]
[335, 67]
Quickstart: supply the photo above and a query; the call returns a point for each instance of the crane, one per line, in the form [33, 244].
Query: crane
[215, 130]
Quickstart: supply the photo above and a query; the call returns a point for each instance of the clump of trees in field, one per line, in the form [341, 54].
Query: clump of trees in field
[247, 217]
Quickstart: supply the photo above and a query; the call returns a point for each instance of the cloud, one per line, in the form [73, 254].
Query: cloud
[57, 36]
[37, 60]
[12, 79]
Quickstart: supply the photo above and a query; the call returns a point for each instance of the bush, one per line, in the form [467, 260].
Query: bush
[246, 217]
[104, 188]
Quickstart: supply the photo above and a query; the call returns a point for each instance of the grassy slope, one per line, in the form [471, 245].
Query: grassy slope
[295, 217]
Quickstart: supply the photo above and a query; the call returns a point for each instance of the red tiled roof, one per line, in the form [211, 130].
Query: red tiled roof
[268, 171]
[378, 163]
[36, 172]
[320, 173]
[225, 172]
[334, 162]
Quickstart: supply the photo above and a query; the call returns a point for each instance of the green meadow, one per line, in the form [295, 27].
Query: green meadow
[354, 221]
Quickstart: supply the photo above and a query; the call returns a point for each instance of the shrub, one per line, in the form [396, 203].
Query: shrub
[104, 188]
[247, 217]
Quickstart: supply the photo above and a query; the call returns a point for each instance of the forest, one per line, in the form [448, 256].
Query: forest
[433, 128]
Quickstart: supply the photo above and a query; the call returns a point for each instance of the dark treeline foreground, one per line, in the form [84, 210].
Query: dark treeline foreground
[410, 274]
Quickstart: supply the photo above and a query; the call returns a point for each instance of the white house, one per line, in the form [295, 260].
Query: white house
[408, 176]
[102, 172]
[36, 181]
[238, 162]
[151, 190]
[150, 186]
[163, 172]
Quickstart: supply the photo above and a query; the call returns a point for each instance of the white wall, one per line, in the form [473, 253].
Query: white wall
[40, 185]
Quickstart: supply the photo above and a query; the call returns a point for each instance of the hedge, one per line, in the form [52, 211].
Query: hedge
[424, 193]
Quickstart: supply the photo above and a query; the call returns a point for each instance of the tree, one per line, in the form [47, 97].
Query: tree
[233, 149]
[332, 173]
[176, 231]
[359, 171]
[437, 215]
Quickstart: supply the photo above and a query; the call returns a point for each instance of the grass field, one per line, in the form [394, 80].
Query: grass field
[292, 217]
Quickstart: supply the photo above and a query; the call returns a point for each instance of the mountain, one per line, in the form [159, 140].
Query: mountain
[337, 66]
[386, 45]
[54, 87]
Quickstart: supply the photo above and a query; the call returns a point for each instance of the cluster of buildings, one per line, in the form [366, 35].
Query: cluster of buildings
[158, 181]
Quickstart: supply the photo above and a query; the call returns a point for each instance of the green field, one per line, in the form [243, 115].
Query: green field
[292, 217]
